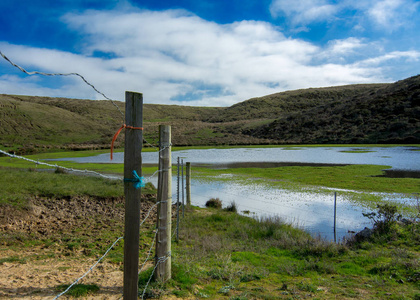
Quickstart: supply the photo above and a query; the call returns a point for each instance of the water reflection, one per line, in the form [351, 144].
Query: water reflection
[308, 210]
[398, 158]
[311, 210]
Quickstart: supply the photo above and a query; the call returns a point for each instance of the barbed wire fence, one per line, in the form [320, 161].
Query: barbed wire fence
[159, 260]
[94, 173]
[63, 74]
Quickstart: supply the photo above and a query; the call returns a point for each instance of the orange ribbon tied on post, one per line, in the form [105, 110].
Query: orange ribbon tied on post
[118, 132]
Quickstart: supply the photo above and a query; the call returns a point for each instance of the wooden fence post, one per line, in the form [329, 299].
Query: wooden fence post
[182, 188]
[164, 197]
[188, 184]
[132, 162]
[177, 204]
[335, 217]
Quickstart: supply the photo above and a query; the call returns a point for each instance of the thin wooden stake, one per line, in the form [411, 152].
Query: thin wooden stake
[177, 205]
[335, 216]
[183, 188]
[188, 184]
[164, 197]
[132, 162]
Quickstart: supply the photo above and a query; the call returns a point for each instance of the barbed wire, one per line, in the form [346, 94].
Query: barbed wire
[62, 74]
[90, 269]
[109, 249]
[60, 167]
[159, 260]
[150, 251]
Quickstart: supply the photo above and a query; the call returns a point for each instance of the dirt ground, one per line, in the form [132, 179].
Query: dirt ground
[32, 270]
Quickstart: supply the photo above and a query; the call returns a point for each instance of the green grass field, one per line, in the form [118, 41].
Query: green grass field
[220, 254]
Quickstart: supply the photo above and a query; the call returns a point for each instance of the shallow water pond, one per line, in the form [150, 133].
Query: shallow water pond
[309, 209]
[398, 158]
[312, 210]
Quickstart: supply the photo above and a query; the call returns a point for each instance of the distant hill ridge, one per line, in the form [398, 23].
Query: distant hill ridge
[363, 113]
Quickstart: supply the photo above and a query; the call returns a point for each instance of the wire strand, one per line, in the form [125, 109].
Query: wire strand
[63, 74]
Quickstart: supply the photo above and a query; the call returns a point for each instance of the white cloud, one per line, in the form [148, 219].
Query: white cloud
[303, 11]
[174, 55]
[385, 15]
[393, 14]
[409, 56]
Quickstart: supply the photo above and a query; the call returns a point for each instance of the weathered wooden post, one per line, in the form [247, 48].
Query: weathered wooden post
[132, 162]
[182, 187]
[164, 197]
[335, 216]
[188, 184]
[177, 204]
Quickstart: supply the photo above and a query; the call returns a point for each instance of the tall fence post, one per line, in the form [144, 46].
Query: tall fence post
[183, 188]
[177, 204]
[164, 197]
[188, 184]
[335, 217]
[132, 162]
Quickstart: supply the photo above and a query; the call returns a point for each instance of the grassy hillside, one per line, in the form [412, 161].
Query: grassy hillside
[372, 113]
[377, 114]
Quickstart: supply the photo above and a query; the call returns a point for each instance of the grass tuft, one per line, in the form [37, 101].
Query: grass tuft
[78, 290]
[214, 203]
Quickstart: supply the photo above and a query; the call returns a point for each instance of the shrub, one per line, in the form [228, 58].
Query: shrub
[214, 203]
[385, 218]
[232, 207]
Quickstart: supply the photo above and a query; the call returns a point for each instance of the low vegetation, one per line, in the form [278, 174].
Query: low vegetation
[220, 254]
[368, 178]
[214, 203]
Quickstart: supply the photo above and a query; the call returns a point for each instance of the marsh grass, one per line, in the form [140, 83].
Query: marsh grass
[232, 257]
[232, 207]
[214, 203]
[246, 258]
[352, 177]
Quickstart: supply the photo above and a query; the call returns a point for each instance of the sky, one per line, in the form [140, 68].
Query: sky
[206, 52]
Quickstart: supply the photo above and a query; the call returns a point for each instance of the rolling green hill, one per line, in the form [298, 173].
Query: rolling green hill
[371, 113]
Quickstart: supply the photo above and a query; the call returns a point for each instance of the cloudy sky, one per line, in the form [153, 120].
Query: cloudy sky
[205, 52]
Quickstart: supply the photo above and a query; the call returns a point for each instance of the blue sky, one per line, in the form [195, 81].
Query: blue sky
[207, 53]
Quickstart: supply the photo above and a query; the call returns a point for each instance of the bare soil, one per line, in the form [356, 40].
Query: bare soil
[35, 254]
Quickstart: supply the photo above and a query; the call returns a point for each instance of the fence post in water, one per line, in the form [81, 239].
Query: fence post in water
[335, 216]
[132, 162]
[188, 184]
[177, 204]
[182, 181]
[164, 198]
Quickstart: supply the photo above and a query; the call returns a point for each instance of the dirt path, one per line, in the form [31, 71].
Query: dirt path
[36, 252]
[38, 279]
